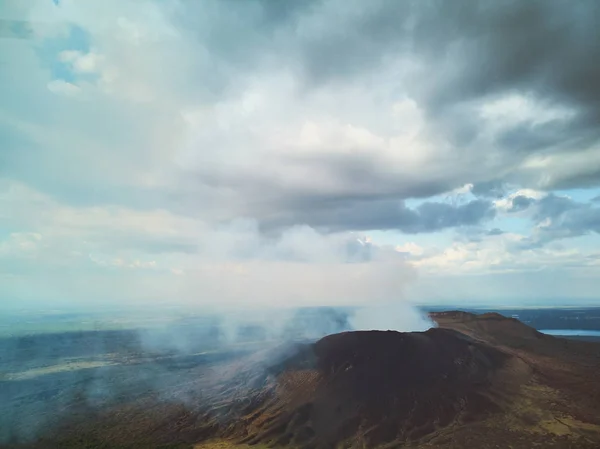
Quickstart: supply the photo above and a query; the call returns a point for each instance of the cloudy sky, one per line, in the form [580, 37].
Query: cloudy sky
[310, 152]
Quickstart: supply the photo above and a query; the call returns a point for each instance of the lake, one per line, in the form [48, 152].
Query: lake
[571, 332]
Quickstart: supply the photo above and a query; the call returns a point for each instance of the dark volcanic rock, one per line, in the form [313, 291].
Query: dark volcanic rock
[380, 386]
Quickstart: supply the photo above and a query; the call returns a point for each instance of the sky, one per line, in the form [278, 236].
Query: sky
[299, 153]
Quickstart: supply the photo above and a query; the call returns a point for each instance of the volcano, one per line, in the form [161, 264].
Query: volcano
[379, 387]
[482, 381]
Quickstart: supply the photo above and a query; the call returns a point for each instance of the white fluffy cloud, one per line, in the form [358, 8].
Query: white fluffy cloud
[157, 255]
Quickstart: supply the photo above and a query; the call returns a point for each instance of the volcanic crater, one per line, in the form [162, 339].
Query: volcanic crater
[375, 386]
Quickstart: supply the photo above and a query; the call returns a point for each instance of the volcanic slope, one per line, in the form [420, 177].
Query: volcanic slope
[375, 387]
[475, 381]
[563, 395]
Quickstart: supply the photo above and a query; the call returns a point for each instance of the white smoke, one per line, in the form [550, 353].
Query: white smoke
[399, 316]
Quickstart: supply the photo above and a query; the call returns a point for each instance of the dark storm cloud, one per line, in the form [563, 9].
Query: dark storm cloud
[489, 189]
[561, 217]
[372, 196]
[584, 177]
[467, 51]
[520, 203]
[525, 139]
[545, 49]
[543, 46]
[479, 50]
[386, 214]
[370, 34]
[487, 47]
[553, 206]
[547, 46]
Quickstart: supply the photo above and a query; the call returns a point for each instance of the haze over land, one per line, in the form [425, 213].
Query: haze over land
[299, 153]
[473, 381]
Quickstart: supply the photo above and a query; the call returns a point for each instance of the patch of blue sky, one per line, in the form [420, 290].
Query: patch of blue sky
[6, 231]
[514, 225]
[49, 51]
[580, 195]
[19, 156]
[413, 202]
